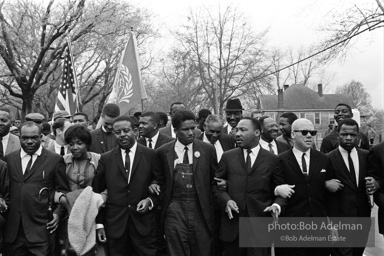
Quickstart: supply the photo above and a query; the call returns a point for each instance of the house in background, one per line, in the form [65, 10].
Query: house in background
[305, 103]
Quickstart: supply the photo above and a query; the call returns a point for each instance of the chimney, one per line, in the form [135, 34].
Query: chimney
[286, 87]
[280, 99]
[320, 90]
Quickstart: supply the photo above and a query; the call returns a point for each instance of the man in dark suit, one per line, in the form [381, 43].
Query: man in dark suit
[149, 131]
[268, 136]
[331, 142]
[376, 186]
[234, 113]
[30, 169]
[103, 139]
[189, 166]
[128, 221]
[307, 170]
[170, 130]
[248, 169]
[8, 141]
[349, 170]
[3, 197]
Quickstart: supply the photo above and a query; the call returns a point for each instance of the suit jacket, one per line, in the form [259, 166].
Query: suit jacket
[48, 170]
[331, 142]
[253, 191]
[123, 197]
[13, 144]
[161, 140]
[352, 201]
[309, 199]
[376, 170]
[99, 145]
[227, 142]
[3, 194]
[282, 147]
[204, 167]
[167, 131]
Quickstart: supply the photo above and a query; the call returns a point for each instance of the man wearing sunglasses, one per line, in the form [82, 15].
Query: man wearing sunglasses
[305, 170]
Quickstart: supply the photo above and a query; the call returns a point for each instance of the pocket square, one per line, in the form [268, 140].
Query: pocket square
[323, 170]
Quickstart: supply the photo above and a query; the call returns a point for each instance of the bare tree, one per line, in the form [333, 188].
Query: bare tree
[361, 97]
[34, 36]
[228, 55]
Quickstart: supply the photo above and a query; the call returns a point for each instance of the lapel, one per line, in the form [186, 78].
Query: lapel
[136, 160]
[143, 141]
[362, 167]
[119, 161]
[295, 165]
[240, 158]
[259, 159]
[39, 160]
[17, 160]
[100, 138]
[171, 155]
[10, 145]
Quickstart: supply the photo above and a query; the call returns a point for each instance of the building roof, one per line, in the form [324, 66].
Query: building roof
[300, 97]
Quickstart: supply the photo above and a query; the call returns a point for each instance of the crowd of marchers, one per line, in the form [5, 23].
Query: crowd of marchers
[140, 186]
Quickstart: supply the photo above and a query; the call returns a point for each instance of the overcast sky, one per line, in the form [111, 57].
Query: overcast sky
[296, 24]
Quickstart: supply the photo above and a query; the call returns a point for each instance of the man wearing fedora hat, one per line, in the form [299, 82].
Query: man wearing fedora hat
[234, 113]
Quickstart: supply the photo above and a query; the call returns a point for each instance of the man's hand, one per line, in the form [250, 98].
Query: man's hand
[284, 191]
[334, 185]
[154, 189]
[53, 224]
[372, 185]
[274, 210]
[221, 184]
[231, 206]
[64, 201]
[3, 206]
[143, 206]
[101, 235]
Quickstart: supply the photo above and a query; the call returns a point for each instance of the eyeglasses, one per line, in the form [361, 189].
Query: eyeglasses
[305, 132]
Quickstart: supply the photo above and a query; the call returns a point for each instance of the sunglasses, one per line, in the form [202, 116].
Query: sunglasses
[305, 132]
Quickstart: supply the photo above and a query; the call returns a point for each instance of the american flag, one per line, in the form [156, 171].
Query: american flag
[68, 95]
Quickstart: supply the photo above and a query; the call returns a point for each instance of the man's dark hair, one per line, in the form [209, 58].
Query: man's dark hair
[137, 114]
[111, 110]
[58, 124]
[30, 124]
[203, 113]
[176, 103]
[346, 105]
[163, 117]
[291, 117]
[181, 116]
[79, 132]
[130, 119]
[256, 124]
[46, 128]
[81, 114]
[349, 122]
[154, 116]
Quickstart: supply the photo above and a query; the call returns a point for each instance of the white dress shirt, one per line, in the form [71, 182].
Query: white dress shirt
[355, 160]
[217, 145]
[179, 149]
[58, 148]
[298, 154]
[154, 140]
[132, 152]
[253, 154]
[25, 158]
[5, 142]
[265, 145]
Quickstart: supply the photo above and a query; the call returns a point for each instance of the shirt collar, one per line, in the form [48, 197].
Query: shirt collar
[255, 150]
[300, 153]
[6, 137]
[154, 138]
[180, 146]
[38, 152]
[344, 151]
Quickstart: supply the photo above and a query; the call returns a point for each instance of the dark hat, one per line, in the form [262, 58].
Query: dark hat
[61, 114]
[203, 113]
[233, 104]
[35, 117]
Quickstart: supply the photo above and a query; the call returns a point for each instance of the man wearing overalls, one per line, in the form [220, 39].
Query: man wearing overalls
[188, 167]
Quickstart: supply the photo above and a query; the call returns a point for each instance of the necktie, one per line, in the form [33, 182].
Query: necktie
[62, 152]
[351, 168]
[185, 159]
[150, 143]
[270, 148]
[304, 163]
[29, 165]
[249, 162]
[1, 148]
[127, 165]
